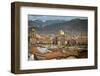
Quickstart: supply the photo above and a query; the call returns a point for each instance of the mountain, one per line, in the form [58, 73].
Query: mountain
[53, 26]
[35, 23]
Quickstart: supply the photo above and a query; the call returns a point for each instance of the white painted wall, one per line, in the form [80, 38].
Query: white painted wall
[5, 33]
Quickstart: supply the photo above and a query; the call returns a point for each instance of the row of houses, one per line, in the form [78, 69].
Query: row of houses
[59, 39]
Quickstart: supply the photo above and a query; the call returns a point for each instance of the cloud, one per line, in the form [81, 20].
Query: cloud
[50, 17]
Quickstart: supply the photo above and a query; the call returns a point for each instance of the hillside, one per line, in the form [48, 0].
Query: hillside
[53, 26]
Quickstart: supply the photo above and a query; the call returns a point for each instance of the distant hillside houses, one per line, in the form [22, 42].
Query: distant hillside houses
[61, 38]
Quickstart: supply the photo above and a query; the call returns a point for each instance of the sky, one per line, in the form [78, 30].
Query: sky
[48, 17]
